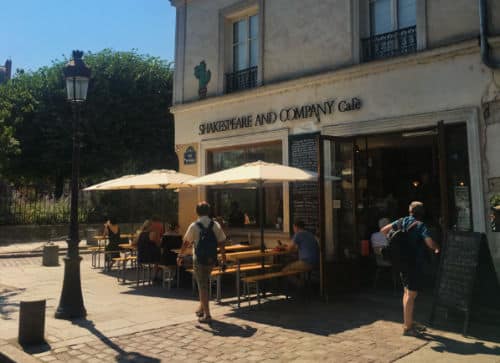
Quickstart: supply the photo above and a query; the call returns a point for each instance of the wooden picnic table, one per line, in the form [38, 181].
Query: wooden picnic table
[229, 249]
[246, 255]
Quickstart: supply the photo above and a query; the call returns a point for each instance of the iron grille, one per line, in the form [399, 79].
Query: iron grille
[240, 80]
[399, 42]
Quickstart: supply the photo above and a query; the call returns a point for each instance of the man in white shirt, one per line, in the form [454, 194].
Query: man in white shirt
[203, 268]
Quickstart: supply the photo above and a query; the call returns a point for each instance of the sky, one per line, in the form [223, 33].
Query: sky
[33, 33]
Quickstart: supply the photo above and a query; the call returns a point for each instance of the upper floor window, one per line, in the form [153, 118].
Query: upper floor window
[245, 54]
[392, 29]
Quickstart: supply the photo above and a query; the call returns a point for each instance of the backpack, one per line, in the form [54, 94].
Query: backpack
[397, 252]
[206, 248]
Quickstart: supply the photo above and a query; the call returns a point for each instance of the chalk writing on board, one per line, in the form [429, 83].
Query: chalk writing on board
[458, 270]
[304, 204]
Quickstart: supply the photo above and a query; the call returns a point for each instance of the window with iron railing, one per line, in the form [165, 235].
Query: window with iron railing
[391, 44]
[240, 80]
[245, 54]
[392, 29]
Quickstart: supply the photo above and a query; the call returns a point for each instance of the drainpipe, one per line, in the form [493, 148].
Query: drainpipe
[483, 31]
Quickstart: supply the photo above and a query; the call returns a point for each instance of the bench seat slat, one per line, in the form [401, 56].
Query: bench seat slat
[273, 275]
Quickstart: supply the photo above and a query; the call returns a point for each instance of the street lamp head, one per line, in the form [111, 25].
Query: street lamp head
[77, 76]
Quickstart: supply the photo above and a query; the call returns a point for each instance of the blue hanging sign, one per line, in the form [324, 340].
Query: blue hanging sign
[190, 156]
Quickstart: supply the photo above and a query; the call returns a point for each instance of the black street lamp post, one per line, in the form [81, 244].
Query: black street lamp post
[77, 76]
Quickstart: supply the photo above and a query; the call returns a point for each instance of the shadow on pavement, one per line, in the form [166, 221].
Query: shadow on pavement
[316, 317]
[448, 345]
[7, 308]
[123, 356]
[223, 329]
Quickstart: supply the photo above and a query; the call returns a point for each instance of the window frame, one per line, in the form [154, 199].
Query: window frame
[394, 16]
[208, 166]
[248, 41]
[227, 16]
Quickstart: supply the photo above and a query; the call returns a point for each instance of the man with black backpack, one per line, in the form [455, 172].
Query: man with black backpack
[408, 238]
[204, 236]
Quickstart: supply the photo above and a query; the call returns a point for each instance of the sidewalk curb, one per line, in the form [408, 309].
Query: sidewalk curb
[23, 254]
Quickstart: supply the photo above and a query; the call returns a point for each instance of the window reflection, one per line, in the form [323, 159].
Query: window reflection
[239, 205]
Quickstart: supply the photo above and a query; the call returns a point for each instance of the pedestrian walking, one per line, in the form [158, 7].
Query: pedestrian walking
[414, 237]
[203, 235]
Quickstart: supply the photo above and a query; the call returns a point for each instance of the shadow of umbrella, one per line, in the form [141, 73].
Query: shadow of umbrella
[123, 356]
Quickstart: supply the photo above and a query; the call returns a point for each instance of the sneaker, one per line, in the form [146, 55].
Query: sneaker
[412, 332]
[205, 320]
[419, 327]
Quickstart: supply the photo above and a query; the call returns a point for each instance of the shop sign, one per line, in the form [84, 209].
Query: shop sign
[190, 156]
[313, 110]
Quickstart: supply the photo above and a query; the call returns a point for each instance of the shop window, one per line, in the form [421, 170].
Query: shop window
[393, 29]
[245, 54]
[238, 206]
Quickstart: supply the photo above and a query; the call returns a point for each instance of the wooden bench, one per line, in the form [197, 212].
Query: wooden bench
[217, 274]
[247, 281]
[121, 263]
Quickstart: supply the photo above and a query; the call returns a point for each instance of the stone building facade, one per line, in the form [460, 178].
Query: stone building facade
[392, 100]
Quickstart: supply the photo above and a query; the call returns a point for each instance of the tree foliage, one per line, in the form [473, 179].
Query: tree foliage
[125, 126]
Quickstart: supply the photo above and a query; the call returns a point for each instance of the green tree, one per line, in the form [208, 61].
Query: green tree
[126, 126]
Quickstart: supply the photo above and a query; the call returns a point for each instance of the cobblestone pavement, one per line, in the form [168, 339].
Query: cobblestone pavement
[151, 324]
[279, 331]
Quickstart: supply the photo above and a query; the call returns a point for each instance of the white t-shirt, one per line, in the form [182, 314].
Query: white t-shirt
[378, 239]
[193, 232]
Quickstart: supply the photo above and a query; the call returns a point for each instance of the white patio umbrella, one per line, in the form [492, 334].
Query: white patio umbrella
[257, 173]
[155, 179]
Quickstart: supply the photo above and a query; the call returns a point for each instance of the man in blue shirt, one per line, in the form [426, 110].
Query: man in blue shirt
[414, 249]
[306, 244]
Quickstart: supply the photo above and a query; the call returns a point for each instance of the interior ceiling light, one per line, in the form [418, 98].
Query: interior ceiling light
[419, 133]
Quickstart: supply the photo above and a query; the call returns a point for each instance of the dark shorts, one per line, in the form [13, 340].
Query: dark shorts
[411, 279]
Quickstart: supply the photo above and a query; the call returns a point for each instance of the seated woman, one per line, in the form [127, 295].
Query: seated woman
[171, 240]
[148, 251]
[112, 231]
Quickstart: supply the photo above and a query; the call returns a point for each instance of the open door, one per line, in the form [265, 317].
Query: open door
[338, 213]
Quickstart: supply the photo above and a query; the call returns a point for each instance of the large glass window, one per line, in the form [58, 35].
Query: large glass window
[245, 43]
[239, 205]
[390, 15]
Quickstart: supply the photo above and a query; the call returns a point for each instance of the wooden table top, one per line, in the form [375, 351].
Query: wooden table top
[236, 256]
[122, 235]
[229, 249]
[127, 246]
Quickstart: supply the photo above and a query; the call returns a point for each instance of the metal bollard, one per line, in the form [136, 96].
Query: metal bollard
[32, 322]
[50, 254]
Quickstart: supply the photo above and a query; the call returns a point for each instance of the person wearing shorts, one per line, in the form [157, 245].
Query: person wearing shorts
[412, 271]
[202, 271]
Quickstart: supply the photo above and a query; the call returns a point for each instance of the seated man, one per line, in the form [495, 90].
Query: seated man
[307, 245]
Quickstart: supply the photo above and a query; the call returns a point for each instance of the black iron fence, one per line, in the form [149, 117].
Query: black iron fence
[396, 43]
[240, 80]
[28, 207]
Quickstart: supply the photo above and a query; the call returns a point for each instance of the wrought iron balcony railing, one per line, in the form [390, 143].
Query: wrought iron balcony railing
[399, 42]
[240, 80]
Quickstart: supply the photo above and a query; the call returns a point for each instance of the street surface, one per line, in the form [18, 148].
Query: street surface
[150, 324]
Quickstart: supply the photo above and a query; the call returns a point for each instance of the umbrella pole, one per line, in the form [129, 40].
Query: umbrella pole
[261, 216]
[132, 207]
[163, 199]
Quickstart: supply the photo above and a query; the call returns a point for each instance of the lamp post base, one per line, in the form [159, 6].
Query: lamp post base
[71, 302]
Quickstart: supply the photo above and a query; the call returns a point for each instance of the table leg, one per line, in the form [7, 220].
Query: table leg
[238, 282]
[218, 288]
[178, 272]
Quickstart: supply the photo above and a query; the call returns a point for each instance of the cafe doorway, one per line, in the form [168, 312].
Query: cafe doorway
[370, 177]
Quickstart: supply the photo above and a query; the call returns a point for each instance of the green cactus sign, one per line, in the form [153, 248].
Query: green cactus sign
[203, 75]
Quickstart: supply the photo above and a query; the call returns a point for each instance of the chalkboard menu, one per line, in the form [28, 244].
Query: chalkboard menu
[304, 197]
[459, 262]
